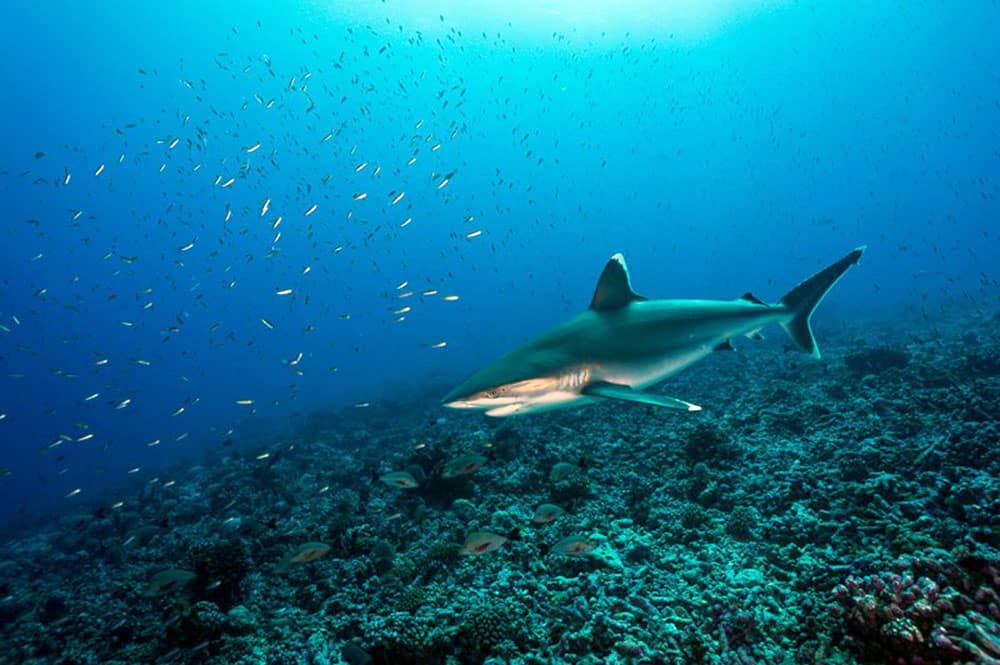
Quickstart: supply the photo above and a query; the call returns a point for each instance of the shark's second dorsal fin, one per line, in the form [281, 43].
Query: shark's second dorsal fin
[749, 297]
[614, 289]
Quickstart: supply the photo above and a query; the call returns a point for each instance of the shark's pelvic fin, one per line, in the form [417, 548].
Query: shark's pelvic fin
[614, 289]
[619, 391]
[803, 299]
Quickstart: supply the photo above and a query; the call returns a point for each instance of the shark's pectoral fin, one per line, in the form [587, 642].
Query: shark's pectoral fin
[619, 391]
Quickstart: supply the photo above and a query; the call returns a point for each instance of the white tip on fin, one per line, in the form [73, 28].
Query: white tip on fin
[626, 393]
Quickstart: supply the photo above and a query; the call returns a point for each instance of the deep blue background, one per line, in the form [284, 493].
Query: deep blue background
[741, 151]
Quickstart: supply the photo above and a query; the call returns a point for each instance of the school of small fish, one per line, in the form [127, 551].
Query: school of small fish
[244, 230]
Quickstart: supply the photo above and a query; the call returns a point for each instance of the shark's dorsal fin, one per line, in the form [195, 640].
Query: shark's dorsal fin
[749, 297]
[614, 290]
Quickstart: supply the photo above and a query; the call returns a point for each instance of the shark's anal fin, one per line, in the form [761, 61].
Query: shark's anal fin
[625, 393]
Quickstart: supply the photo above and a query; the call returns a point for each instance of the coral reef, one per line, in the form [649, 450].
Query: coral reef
[220, 567]
[933, 607]
[875, 360]
[832, 512]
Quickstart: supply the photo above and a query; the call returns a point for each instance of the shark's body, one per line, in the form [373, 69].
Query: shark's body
[624, 343]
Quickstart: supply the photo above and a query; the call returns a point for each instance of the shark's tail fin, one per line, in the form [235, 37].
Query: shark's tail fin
[803, 299]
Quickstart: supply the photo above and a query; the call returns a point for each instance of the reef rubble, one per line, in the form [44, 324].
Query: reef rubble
[836, 511]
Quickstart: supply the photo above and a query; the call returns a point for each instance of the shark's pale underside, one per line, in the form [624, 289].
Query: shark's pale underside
[625, 342]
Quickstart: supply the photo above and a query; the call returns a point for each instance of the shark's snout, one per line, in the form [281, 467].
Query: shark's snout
[457, 398]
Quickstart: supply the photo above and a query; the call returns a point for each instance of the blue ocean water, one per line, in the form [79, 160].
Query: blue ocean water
[721, 147]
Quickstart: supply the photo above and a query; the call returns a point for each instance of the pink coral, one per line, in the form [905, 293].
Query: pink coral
[935, 608]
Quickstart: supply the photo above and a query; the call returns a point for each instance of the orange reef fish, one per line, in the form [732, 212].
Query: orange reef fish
[481, 542]
[402, 479]
[546, 513]
[563, 471]
[305, 553]
[463, 466]
[169, 580]
[573, 546]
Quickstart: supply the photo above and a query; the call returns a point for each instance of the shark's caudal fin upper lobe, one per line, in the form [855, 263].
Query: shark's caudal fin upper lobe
[803, 299]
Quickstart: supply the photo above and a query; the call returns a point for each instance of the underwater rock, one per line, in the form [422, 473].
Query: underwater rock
[692, 516]
[410, 640]
[748, 577]
[53, 608]
[220, 567]
[122, 629]
[742, 521]
[411, 598]
[201, 622]
[564, 471]
[983, 363]
[568, 483]
[381, 555]
[705, 442]
[487, 624]
[464, 509]
[11, 610]
[507, 441]
[352, 654]
[639, 553]
[875, 360]
[240, 621]
[439, 558]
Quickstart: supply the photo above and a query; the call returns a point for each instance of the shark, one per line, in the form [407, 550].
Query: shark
[624, 343]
